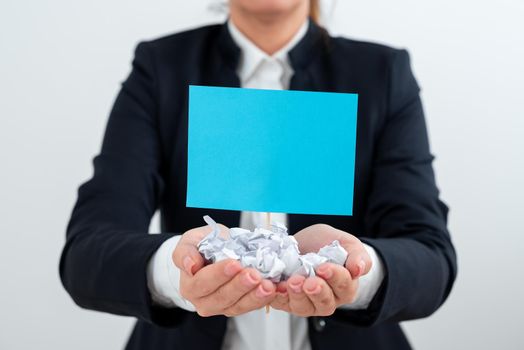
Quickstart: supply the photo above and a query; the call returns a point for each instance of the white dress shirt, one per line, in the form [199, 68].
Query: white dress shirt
[256, 330]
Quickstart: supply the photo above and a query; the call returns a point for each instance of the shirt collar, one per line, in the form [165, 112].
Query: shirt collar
[252, 56]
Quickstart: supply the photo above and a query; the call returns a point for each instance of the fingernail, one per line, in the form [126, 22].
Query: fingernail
[361, 267]
[326, 272]
[250, 279]
[231, 269]
[261, 292]
[188, 264]
[296, 287]
[315, 290]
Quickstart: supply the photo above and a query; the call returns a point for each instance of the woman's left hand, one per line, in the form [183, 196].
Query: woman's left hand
[334, 285]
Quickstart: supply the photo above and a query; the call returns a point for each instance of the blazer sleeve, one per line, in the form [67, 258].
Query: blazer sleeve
[405, 219]
[104, 261]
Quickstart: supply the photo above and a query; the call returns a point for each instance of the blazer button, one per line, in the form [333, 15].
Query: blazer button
[319, 324]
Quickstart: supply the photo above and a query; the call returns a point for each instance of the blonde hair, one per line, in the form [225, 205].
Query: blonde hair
[314, 10]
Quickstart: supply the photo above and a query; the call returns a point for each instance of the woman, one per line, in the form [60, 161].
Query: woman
[402, 263]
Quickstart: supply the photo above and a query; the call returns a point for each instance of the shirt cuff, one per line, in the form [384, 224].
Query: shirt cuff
[369, 283]
[163, 277]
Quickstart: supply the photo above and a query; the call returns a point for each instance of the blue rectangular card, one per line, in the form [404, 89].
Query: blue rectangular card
[271, 150]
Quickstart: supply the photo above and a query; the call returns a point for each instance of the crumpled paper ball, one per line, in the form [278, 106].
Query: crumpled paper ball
[273, 252]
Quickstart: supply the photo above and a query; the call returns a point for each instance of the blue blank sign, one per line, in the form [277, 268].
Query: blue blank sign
[271, 150]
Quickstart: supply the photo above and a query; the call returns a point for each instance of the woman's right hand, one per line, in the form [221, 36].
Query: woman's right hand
[222, 288]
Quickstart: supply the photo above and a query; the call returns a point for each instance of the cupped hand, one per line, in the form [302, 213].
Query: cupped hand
[319, 295]
[222, 288]
[334, 285]
[314, 237]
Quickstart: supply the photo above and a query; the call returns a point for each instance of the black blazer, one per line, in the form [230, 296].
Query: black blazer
[142, 167]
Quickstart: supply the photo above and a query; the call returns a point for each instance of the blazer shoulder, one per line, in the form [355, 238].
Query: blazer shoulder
[187, 35]
[366, 50]
[184, 40]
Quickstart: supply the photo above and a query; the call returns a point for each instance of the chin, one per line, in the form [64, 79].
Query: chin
[267, 7]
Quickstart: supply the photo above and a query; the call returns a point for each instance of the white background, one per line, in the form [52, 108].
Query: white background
[61, 63]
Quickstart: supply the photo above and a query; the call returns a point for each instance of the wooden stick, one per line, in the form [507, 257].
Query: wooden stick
[268, 224]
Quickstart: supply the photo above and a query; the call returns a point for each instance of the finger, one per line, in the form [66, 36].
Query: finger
[281, 301]
[255, 299]
[320, 295]
[339, 279]
[211, 277]
[229, 293]
[187, 257]
[223, 231]
[299, 302]
[358, 262]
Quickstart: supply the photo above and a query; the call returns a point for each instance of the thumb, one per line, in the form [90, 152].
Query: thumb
[187, 258]
[358, 262]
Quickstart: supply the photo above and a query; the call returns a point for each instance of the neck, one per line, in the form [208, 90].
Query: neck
[270, 32]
